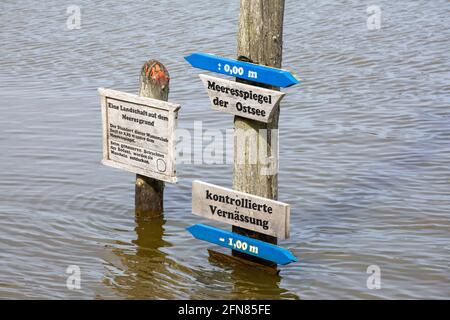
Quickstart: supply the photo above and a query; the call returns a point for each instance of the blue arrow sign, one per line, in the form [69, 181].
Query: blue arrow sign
[244, 70]
[241, 243]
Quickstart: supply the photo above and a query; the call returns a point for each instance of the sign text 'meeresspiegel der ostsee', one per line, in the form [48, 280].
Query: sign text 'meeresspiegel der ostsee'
[241, 209]
[241, 99]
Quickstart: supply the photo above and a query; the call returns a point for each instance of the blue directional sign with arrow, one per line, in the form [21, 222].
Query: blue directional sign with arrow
[241, 243]
[244, 70]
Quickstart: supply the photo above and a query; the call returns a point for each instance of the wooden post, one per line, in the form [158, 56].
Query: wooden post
[260, 35]
[149, 192]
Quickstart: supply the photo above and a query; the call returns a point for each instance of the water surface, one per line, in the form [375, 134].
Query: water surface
[364, 151]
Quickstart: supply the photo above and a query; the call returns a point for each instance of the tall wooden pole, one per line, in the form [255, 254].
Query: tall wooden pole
[260, 40]
[149, 192]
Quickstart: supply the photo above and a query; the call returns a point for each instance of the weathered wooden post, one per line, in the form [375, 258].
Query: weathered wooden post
[139, 136]
[258, 220]
[149, 192]
[260, 41]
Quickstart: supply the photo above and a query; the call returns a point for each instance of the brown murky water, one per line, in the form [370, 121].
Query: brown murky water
[365, 151]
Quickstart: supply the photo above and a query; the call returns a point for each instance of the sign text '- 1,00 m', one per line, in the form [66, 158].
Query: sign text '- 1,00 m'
[241, 243]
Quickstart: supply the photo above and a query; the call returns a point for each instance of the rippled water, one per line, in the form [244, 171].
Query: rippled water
[364, 154]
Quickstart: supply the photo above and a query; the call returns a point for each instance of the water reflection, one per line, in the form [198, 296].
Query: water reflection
[150, 238]
[249, 283]
[142, 269]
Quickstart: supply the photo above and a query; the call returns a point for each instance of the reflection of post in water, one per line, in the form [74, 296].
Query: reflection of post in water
[150, 238]
[251, 281]
[140, 268]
